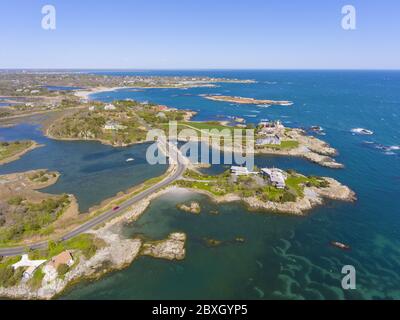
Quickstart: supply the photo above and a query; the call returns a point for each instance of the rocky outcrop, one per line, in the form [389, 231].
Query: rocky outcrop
[173, 248]
[193, 207]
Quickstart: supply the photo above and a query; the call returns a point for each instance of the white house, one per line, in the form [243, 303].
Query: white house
[276, 177]
[111, 125]
[109, 107]
[31, 265]
[239, 171]
[92, 108]
[275, 140]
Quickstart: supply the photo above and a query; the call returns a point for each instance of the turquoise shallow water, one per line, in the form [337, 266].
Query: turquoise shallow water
[283, 257]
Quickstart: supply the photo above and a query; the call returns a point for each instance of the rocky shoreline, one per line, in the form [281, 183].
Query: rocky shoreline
[310, 148]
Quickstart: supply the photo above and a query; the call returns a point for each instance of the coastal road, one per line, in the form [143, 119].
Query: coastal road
[180, 167]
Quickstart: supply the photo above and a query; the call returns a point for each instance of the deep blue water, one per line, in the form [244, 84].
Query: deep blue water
[283, 256]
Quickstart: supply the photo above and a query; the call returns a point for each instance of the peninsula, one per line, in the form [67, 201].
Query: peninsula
[267, 189]
[13, 150]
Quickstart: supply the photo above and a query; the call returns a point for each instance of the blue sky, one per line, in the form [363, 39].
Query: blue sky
[185, 34]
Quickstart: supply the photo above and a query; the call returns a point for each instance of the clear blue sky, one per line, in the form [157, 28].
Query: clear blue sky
[184, 34]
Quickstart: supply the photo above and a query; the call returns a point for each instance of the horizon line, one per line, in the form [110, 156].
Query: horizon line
[208, 69]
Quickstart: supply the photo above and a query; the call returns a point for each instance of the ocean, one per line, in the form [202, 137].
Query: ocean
[282, 256]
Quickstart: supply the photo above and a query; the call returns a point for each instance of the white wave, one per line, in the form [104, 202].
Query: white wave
[362, 131]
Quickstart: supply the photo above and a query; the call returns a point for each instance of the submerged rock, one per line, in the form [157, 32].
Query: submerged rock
[212, 242]
[239, 239]
[193, 207]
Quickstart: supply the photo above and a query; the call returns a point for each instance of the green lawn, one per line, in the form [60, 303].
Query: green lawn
[85, 242]
[285, 144]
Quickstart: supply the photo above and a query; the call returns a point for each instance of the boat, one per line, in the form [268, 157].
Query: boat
[362, 131]
[340, 245]
[129, 160]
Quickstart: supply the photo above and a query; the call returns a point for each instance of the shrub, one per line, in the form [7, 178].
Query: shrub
[62, 269]
[37, 279]
[10, 277]
[288, 197]
[15, 201]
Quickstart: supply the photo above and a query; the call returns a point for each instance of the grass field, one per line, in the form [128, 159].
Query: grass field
[285, 145]
[10, 149]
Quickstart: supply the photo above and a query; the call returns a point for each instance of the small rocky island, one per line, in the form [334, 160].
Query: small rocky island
[193, 207]
[242, 100]
[172, 248]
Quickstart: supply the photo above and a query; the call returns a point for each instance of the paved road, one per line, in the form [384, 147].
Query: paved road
[104, 216]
